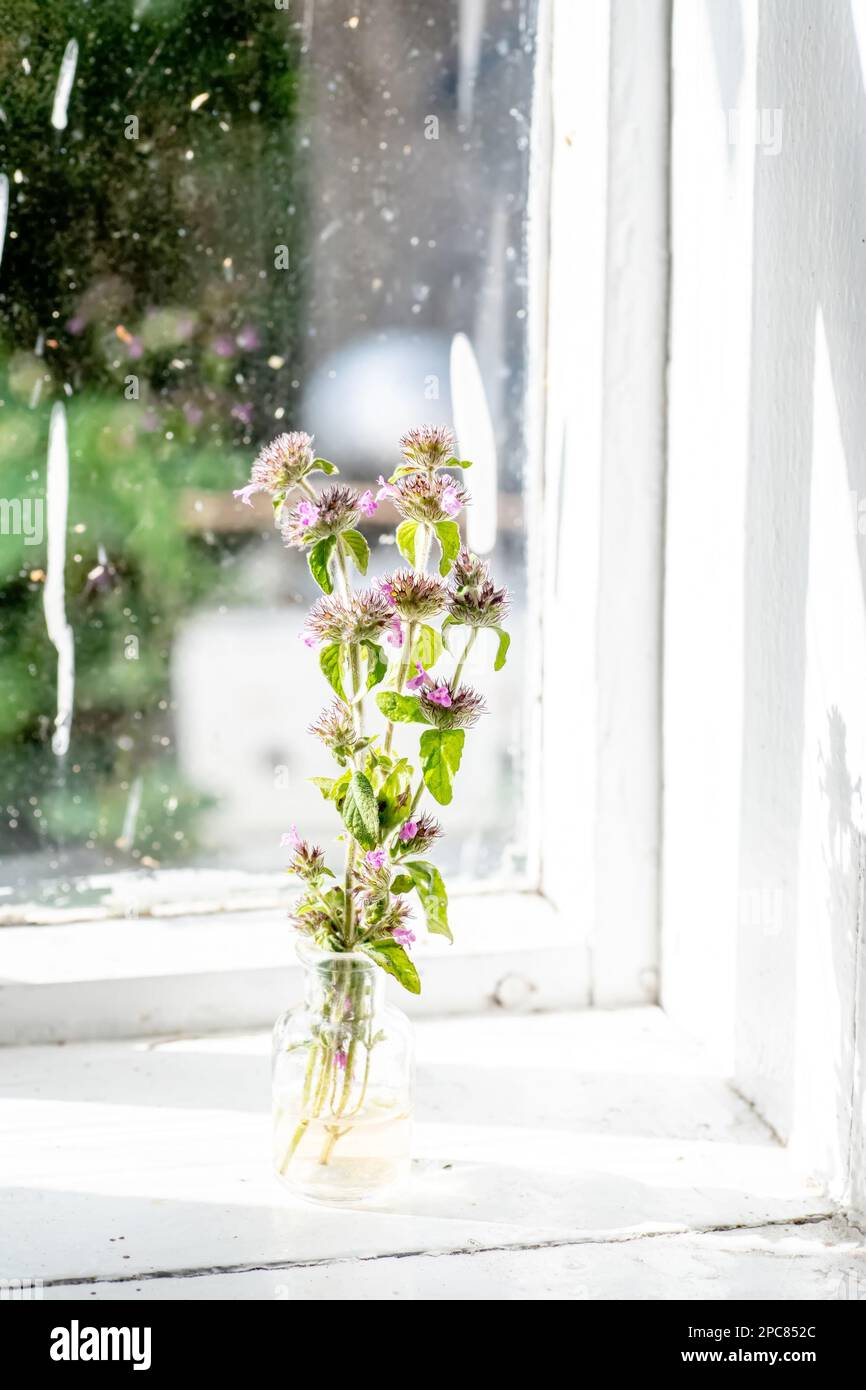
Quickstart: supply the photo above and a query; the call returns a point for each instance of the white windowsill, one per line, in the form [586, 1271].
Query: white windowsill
[113, 979]
[580, 1155]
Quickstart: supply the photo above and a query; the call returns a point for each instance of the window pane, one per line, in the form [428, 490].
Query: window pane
[226, 221]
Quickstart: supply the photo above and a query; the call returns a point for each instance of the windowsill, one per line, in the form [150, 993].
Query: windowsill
[576, 1155]
[116, 978]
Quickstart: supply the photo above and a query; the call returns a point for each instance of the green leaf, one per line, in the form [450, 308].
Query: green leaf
[431, 891]
[377, 664]
[318, 560]
[331, 662]
[449, 539]
[394, 960]
[338, 791]
[325, 785]
[401, 709]
[427, 647]
[393, 791]
[402, 883]
[502, 649]
[323, 466]
[406, 534]
[449, 622]
[402, 471]
[358, 549]
[441, 751]
[360, 812]
[458, 463]
[335, 900]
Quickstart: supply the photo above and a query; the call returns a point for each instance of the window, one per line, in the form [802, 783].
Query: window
[221, 222]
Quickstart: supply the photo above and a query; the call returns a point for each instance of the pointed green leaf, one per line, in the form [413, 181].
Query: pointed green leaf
[427, 647]
[323, 466]
[331, 662]
[441, 751]
[401, 709]
[377, 664]
[360, 812]
[406, 535]
[431, 891]
[394, 788]
[358, 549]
[502, 649]
[458, 463]
[402, 883]
[402, 471]
[448, 533]
[338, 791]
[325, 785]
[394, 960]
[318, 560]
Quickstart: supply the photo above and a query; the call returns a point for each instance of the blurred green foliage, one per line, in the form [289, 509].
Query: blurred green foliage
[137, 284]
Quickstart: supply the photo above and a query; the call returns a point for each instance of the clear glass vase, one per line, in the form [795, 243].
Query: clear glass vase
[343, 1083]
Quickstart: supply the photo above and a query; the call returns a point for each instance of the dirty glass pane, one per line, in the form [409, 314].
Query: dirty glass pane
[222, 221]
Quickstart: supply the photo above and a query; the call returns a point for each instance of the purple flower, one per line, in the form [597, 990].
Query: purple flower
[403, 936]
[386, 588]
[420, 681]
[451, 501]
[246, 493]
[386, 489]
[408, 830]
[307, 512]
[440, 695]
[243, 411]
[223, 346]
[290, 839]
[394, 635]
[76, 324]
[307, 639]
[428, 447]
[248, 339]
[376, 858]
[193, 414]
[340, 1059]
[368, 503]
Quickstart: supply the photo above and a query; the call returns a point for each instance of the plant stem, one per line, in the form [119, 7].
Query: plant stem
[402, 672]
[348, 888]
[470, 642]
[342, 570]
[422, 552]
[358, 718]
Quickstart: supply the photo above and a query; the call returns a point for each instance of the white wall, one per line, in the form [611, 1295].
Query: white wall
[765, 630]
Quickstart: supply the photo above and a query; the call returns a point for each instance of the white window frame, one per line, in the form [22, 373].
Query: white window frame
[585, 927]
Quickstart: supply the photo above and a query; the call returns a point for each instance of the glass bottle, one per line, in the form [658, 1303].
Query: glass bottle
[343, 1083]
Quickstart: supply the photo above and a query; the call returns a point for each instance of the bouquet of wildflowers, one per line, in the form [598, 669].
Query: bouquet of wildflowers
[390, 645]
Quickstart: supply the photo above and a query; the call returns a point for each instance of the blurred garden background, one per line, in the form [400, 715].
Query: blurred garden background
[240, 224]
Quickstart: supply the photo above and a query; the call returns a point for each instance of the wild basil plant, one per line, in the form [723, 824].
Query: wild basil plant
[398, 645]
